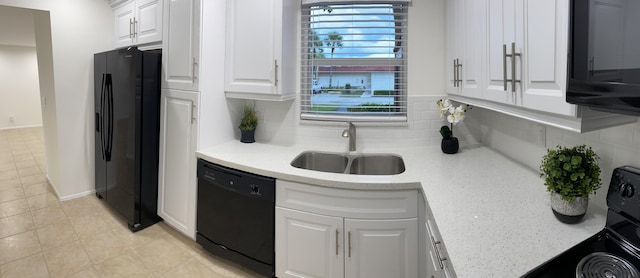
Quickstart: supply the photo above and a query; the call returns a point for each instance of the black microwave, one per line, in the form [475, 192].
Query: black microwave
[604, 55]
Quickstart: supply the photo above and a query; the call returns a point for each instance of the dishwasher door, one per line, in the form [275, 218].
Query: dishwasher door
[236, 215]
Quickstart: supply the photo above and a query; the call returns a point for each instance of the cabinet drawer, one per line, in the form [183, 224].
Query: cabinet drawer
[347, 203]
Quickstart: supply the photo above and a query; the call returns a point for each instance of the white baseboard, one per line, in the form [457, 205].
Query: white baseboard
[77, 195]
[19, 127]
[68, 197]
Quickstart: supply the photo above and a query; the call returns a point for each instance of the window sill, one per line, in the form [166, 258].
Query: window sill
[335, 120]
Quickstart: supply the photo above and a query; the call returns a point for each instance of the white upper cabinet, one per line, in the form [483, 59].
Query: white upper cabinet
[501, 36]
[260, 59]
[181, 45]
[511, 56]
[138, 22]
[464, 41]
[535, 76]
[544, 56]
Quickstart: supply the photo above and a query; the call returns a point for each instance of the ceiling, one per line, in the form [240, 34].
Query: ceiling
[16, 27]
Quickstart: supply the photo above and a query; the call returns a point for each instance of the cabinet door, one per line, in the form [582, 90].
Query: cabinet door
[433, 264]
[452, 44]
[465, 39]
[544, 56]
[472, 37]
[177, 177]
[381, 248]
[501, 25]
[123, 28]
[181, 44]
[308, 245]
[252, 40]
[148, 21]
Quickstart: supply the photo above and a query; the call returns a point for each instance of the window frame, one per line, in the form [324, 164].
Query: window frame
[399, 108]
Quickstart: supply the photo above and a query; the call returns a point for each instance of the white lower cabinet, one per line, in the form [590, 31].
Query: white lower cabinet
[381, 248]
[329, 232]
[177, 163]
[438, 264]
[308, 244]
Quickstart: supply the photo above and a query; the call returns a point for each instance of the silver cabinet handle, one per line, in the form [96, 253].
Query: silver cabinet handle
[349, 244]
[455, 73]
[459, 78]
[194, 64]
[591, 65]
[275, 63]
[337, 242]
[504, 66]
[135, 28]
[130, 28]
[514, 54]
[193, 114]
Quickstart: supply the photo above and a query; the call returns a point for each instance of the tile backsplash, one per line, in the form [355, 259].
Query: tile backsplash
[526, 142]
[521, 140]
[280, 124]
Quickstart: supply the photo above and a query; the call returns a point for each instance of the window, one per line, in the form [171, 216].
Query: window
[353, 64]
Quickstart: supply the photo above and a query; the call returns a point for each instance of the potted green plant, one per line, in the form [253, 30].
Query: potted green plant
[248, 124]
[449, 144]
[570, 174]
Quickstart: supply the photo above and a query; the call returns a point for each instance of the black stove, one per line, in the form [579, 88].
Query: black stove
[614, 251]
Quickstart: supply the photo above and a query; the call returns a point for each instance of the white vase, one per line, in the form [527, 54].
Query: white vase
[569, 212]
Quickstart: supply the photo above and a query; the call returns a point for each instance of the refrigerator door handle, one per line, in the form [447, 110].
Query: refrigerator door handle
[102, 118]
[109, 133]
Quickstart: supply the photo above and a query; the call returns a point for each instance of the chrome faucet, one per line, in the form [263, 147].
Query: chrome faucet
[351, 134]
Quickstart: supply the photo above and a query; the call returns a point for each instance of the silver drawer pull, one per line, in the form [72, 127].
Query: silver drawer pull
[337, 242]
[435, 247]
[349, 244]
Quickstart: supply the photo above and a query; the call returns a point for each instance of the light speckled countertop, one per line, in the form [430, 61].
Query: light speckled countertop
[493, 214]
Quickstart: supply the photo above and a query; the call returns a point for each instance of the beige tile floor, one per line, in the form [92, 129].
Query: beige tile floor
[43, 237]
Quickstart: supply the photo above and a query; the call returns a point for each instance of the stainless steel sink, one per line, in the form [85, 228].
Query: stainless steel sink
[377, 164]
[356, 164]
[319, 161]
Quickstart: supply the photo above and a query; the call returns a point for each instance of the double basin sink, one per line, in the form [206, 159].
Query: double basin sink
[354, 164]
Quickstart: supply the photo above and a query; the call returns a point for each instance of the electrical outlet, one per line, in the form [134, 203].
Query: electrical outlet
[11, 119]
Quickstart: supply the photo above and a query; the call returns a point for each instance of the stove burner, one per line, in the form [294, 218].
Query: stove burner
[605, 265]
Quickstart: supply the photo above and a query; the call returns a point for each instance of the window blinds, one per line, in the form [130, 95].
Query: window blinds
[353, 64]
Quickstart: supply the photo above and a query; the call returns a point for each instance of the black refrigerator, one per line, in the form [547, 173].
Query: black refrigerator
[127, 127]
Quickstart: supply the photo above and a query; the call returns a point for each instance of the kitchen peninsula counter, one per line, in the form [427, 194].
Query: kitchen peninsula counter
[493, 213]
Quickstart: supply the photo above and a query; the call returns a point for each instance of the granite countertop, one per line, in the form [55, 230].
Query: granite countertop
[493, 214]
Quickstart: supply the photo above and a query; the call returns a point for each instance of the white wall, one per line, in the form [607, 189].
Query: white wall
[521, 140]
[280, 121]
[78, 29]
[215, 118]
[19, 88]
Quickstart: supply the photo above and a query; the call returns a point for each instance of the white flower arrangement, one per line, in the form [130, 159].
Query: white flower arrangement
[454, 115]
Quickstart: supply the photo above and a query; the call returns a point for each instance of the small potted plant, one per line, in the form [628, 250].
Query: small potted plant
[449, 144]
[248, 124]
[570, 174]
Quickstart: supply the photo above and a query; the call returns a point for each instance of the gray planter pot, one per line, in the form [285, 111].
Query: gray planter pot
[569, 212]
[247, 136]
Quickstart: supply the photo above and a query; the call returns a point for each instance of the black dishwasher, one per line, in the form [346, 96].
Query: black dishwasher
[236, 215]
